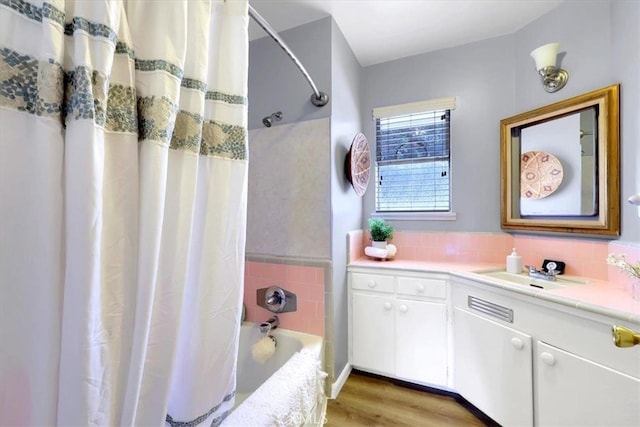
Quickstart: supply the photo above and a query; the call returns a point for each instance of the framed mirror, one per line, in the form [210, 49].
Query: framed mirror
[560, 166]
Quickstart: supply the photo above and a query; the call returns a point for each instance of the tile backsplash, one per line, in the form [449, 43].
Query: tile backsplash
[583, 257]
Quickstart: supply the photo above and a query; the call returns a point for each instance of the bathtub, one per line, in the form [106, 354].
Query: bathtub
[258, 383]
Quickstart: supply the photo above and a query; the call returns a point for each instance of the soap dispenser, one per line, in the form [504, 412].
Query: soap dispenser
[514, 263]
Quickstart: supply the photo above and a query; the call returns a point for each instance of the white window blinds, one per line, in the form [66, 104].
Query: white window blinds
[448, 103]
[413, 156]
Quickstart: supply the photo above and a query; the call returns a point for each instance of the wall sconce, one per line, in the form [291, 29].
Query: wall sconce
[553, 79]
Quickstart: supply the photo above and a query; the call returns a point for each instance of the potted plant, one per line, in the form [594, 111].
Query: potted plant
[380, 232]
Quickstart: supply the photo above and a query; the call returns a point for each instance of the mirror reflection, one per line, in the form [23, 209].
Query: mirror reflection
[557, 165]
[560, 166]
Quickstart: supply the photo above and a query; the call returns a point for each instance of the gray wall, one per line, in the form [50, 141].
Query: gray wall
[608, 53]
[625, 68]
[480, 76]
[276, 84]
[346, 205]
[495, 79]
[584, 54]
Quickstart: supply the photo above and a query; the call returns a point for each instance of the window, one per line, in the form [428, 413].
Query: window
[413, 157]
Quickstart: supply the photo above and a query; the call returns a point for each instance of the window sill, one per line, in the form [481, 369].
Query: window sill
[416, 216]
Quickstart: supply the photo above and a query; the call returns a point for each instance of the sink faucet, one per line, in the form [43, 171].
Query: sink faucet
[550, 274]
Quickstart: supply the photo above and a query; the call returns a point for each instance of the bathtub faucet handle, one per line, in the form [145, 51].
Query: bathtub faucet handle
[276, 300]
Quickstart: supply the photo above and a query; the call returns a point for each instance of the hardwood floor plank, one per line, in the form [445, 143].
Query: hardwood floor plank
[367, 400]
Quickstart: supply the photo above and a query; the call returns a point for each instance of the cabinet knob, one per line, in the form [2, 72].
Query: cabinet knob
[624, 337]
[420, 287]
[404, 308]
[371, 283]
[517, 343]
[548, 358]
[387, 305]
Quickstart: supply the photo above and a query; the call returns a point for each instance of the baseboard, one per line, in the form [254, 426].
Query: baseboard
[339, 382]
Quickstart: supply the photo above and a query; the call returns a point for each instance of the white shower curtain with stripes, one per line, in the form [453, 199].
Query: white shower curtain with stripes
[123, 186]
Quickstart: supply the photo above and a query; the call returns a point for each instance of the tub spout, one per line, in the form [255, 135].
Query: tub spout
[269, 324]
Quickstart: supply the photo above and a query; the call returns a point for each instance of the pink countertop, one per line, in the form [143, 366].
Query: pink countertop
[596, 296]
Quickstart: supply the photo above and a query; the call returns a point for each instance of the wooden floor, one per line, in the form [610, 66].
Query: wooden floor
[368, 400]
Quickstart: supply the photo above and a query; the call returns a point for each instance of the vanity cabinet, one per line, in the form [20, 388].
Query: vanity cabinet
[373, 331]
[493, 365]
[398, 325]
[542, 365]
[574, 391]
[520, 356]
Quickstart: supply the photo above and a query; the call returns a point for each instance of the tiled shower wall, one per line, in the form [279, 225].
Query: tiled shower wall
[305, 278]
[289, 195]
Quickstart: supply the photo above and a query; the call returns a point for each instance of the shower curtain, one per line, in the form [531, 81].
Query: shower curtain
[123, 186]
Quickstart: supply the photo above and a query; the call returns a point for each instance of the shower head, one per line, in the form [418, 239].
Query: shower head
[268, 121]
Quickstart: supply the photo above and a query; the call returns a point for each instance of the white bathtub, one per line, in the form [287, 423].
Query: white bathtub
[256, 381]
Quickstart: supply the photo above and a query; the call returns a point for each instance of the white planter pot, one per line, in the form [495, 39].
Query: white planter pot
[379, 245]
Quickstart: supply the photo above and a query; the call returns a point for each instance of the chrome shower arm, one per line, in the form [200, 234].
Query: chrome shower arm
[319, 99]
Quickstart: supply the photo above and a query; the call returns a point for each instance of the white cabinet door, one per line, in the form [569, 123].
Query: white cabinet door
[421, 341]
[573, 391]
[493, 368]
[373, 329]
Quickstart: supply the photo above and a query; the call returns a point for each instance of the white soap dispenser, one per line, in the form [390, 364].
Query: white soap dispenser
[514, 263]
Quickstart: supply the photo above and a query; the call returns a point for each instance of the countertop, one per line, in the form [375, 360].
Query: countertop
[596, 296]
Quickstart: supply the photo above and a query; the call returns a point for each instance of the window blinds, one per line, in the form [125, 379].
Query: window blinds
[413, 157]
[448, 103]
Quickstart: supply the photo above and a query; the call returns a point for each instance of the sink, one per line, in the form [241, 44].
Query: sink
[532, 282]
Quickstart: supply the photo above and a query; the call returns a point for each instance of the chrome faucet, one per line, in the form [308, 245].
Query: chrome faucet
[550, 274]
[270, 324]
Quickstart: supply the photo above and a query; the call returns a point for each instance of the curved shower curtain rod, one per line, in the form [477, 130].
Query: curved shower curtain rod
[319, 99]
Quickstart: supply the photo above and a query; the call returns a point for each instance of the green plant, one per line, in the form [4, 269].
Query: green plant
[380, 230]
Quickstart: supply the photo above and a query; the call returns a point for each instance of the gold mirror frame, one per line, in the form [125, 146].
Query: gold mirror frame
[606, 222]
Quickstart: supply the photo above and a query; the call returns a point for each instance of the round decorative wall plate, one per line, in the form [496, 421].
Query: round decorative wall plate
[540, 174]
[358, 163]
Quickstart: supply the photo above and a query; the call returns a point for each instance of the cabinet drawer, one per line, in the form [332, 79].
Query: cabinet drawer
[372, 282]
[422, 287]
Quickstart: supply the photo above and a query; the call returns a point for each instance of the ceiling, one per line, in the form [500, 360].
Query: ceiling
[384, 30]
